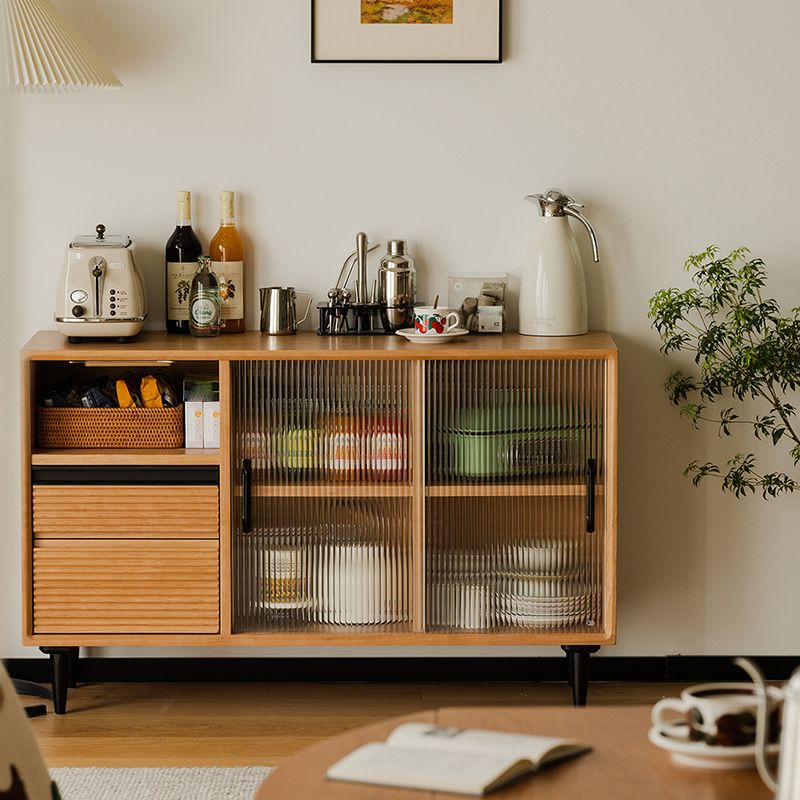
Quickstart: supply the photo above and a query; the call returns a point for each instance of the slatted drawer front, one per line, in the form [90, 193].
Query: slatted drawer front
[144, 586]
[157, 512]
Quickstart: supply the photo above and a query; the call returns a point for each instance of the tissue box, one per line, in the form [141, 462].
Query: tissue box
[490, 319]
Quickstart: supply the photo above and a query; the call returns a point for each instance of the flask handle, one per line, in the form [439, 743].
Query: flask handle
[762, 722]
[571, 210]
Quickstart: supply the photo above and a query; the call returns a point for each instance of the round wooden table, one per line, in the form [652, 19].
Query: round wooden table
[622, 765]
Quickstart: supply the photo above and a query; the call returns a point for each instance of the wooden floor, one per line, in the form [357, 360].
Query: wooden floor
[239, 724]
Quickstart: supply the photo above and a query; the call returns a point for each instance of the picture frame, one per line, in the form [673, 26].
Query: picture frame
[407, 31]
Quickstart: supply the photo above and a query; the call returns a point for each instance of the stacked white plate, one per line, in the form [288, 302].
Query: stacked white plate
[537, 585]
[543, 601]
[517, 609]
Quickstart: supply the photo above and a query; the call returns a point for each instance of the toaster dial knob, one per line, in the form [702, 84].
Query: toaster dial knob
[78, 311]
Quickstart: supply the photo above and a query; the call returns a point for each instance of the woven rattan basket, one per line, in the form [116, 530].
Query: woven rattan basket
[109, 427]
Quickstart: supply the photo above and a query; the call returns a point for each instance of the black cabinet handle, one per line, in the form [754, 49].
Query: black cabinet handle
[247, 482]
[591, 475]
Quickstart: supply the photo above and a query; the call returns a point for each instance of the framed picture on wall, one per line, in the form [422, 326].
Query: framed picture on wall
[410, 31]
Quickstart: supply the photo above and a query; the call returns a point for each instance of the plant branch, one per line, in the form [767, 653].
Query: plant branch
[744, 348]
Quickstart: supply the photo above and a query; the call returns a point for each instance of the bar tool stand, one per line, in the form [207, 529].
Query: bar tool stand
[355, 320]
[366, 314]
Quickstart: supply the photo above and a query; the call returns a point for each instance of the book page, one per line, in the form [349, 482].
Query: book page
[435, 770]
[514, 746]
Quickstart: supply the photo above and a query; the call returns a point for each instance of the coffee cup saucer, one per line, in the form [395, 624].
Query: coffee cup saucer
[700, 754]
[440, 338]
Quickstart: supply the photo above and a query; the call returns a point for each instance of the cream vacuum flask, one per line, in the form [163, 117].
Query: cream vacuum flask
[552, 297]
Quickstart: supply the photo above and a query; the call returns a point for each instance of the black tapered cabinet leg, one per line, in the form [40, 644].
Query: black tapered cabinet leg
[570, 670]
[578, 670]
[74, 660]
[60, 658]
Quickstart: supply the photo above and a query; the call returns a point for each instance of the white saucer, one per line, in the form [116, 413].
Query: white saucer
[427, 338]
[700, 754]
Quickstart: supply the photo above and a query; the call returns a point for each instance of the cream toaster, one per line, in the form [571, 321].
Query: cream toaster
[100, 293]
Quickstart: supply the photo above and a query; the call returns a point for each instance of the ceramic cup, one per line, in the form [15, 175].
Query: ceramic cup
[435, 321]
[722, 714]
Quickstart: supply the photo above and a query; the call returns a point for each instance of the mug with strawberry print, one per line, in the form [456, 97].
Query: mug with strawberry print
[431, 321]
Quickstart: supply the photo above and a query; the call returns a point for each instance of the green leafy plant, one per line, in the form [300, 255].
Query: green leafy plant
[745, 350]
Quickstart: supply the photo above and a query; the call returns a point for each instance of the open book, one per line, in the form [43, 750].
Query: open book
[461, 761]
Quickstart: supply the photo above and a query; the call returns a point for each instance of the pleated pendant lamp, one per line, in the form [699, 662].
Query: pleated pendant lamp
[45, 53]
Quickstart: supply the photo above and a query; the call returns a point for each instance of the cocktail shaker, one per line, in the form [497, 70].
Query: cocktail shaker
[397, 286]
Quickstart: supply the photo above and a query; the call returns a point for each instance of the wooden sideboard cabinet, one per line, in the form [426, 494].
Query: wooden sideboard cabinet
[366, 491]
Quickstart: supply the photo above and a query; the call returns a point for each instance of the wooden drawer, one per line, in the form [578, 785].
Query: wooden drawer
[146, 586]
[116, 512]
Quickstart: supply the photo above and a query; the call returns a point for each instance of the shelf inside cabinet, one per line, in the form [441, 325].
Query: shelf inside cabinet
[180, 456]
[509, 490]
[331, 490]
[254, 627]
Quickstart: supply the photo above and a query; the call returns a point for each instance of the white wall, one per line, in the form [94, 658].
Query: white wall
[9, 440]
[674, 122]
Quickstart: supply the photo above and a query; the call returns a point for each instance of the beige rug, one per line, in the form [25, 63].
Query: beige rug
[202, 783]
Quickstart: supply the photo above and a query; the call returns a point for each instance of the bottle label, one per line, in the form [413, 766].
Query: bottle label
[179, 283]
[345, 452]
[205, 309]
[299, 447]
[386, 452]
[230, 275]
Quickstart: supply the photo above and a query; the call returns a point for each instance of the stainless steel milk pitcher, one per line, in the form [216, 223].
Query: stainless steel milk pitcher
[279, 310]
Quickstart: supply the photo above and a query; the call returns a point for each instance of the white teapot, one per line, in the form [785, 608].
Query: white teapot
[787, 783]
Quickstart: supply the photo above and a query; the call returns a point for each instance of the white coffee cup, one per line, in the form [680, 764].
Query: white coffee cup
[430, 321]
[722, 714]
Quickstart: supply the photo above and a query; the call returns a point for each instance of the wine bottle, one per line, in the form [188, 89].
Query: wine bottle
[227, 261]
[183, 250]
[204, 303]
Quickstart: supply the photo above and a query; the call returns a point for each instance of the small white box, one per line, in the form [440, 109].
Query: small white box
[211, 424]
[193, 422]
[490, 319]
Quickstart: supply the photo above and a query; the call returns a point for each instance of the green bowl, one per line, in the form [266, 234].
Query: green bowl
[509, 455]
